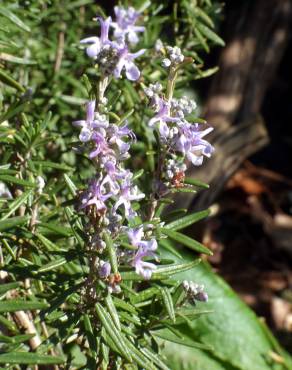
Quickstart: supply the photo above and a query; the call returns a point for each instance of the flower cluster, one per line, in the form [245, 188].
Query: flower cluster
[113, 56]
[109, 198]
[195, 292]
[182, 139]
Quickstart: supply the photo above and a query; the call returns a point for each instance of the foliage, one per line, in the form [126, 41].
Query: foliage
[47, 312]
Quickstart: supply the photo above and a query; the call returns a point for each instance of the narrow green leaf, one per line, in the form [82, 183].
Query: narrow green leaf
[132, 276]
[188, 220]
[15, 180]
[112, 331]
[187, 241]
[200, 184]
[138, 174]
[203, 15]
[9, 81]
[111, 253]
[138, 356]
[48, 164]
[12, 222]
[154, 358]
[202, 40]
[71, 185]
[176, 268]
[10, 325]
[6, 287]
[18, 305]
[126, 115]
[52, 265]
[47, 243]
[26, 358]
[13, 18]
[56, 229]
[168, 303]
[9, 249]
[13, 206]
[90, 334]
[145, 294]
[178, 295]
[161, 273]
[124, 305]
[112, 311]
[211, 35]
[16, 339]
[183, 189]
[12, 111]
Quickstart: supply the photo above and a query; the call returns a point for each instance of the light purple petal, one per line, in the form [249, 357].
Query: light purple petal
[104, 24]
[90, 40]
[90, 111]
[93, 50]
[135, 235]
[132, 71]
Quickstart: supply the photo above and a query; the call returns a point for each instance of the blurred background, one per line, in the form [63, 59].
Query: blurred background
[249, 102]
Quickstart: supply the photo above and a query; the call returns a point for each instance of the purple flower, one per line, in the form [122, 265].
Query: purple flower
[125, 24]
[162, 117]
[90, 124]
[201, 296]
[101, 145]
[116, 134]
[95, 195]
[97, 43]
[128, 193]
[189, 142]
[104, 269]
[126, 61]
[145, 249]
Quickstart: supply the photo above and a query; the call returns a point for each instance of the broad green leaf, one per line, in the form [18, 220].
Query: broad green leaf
[188, 220]
[25, 358]
[164, 243]
[233, 330]
[186, 241]
[181, 357]
[18, 305]
[166, 334]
